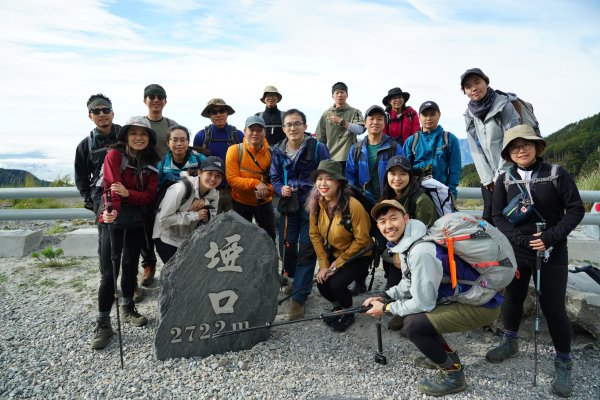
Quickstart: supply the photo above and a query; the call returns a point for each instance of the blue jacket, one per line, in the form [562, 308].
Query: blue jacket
[296, 172]
[430, 151]
[168, 171]
[358, 173]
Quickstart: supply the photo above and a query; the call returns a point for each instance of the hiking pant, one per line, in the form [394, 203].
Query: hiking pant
[148, 254]
[224, 204]
[300, 257]
[262, 213]
[165, 251]
[553, 287]
[487, 204]
[335, 288]
[128, 244]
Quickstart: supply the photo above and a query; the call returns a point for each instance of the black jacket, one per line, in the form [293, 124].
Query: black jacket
[88, 165]
[560, 206]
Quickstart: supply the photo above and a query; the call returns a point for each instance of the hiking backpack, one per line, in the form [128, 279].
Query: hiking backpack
[163, 190]
[483, 247]
[231, 136]
[525, 110]
[310, 155]
[440, 195]
[553, 177]
[417, 136]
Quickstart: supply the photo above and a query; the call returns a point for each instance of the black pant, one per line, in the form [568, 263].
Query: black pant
[335, 288]
[262, 213]
[127, 246]
[148, 255]
[394, 275]
[165, 251]
[419, 330]
[553, 285]
[487, 204]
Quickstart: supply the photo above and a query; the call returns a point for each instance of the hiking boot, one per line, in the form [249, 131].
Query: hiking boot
[148, 278]
[331, 320]
[138, 295]
[284, 280]
[342, 323]
[358, 288]
[508, 348]
[129, 314]
[425, 362]
[444, 382]
[396, 323]
[561, 384]
[288, 289]
[296, 310]
[102, 333]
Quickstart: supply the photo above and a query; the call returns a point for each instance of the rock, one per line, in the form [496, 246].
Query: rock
[583, 303]
[223, 278]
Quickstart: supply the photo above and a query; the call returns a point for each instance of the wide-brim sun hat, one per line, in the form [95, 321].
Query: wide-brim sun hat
[215, 103]
[524, 132]
[137, 121]
[271, 89]
[393, 92]
[330, 167]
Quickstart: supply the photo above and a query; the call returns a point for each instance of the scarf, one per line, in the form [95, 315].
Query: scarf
[481, 108]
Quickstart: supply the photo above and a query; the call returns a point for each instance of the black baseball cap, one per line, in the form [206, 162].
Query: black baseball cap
[473, 71]
[374, 109]
[398, 161]
[429, 104]
[213, 163]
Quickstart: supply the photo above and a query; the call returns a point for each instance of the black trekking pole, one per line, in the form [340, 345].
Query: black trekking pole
[286, 244]
[379, 357]
[592, 272]
[538, 267]
[376, 261]
[268, 325]
[354, 257]
[115, 262]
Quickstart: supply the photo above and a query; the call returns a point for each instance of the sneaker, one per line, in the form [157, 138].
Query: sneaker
[129, 314]
[148, 278]
[331, 320]
[508, 348]
[444, 382]
[561, 384]
[102, 333]
[358, 287]
[396, 323]
[342, 323]
[138, 295]
[425, 362]
[296, 310]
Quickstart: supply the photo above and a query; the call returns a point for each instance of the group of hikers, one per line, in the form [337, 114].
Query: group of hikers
[342, 202]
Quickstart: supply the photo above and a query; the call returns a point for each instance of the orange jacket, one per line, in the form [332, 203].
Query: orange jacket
[245, 175]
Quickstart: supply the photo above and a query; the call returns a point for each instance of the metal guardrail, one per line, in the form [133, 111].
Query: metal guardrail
[590, 196]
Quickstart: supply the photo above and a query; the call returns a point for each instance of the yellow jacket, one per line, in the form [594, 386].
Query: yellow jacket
[245, 175]
[344, 244]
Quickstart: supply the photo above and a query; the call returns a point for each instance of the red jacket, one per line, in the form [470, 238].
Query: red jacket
[142, 184]
[401, 127]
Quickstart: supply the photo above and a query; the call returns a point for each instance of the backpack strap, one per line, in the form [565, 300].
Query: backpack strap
[188, 190]
[232, 135]
[407, 274]
[416, 137]
[207, 136]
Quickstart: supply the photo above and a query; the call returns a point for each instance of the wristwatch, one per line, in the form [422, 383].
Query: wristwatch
[342, 123]
[386, 309]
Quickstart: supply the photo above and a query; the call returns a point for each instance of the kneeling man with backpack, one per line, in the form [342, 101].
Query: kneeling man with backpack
[440, 292]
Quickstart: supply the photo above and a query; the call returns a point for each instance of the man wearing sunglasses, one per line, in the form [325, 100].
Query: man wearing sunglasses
[216, 138]
[90, 152]
[155, 99]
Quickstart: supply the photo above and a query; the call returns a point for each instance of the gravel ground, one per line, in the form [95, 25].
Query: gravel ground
[47, 317]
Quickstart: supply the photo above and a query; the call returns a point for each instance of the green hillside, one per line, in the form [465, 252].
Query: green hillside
[19, 178]
[576, 147]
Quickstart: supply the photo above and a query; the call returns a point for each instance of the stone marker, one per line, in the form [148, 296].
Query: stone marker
[223, 278]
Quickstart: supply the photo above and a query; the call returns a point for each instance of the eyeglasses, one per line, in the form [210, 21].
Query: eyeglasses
[296, 124]
[216, 111]
[525, 147]
[178, 140]
[97, 111]
[156, 96]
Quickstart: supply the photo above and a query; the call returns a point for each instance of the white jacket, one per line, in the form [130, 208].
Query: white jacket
[417, 292]
[175, 222]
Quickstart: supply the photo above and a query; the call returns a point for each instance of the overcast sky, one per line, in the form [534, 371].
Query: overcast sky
[57, 53]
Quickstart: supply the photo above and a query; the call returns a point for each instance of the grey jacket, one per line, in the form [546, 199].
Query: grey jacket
[417, 292]
[485, 137]
[175, 222]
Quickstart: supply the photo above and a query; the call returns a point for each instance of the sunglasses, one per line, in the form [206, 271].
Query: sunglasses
[155, 96]
[97, 111]
[216, 111]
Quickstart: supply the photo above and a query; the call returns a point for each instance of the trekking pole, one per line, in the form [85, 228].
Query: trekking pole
[269, 325]
[538, 267]
[376, 261]
[354, 257]
[379, 357]
[592, 272]
[115, 261]
[286, 244]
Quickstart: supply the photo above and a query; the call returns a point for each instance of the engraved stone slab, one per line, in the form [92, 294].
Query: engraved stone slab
[223, 278]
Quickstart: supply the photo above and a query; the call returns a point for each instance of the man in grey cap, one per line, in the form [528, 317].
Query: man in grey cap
[216, 138]
[155, 99]
[366, 166]
[488, 116]
[272, 115]
[247, 171]
[340, 124]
